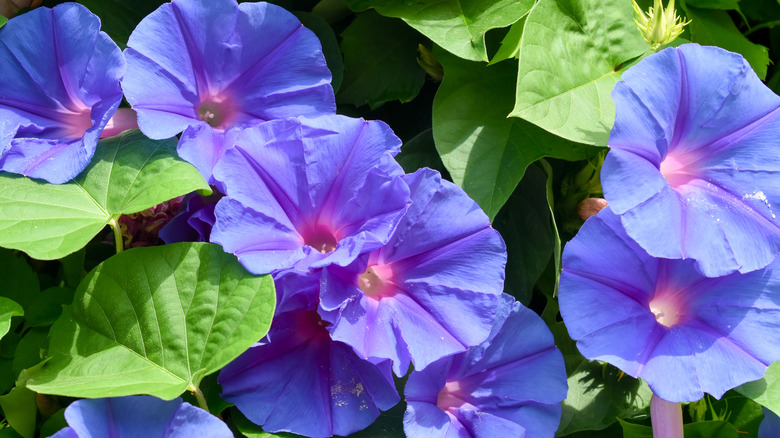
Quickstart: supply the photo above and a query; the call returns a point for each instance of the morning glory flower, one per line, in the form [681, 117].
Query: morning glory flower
[431, 291]
[770, 425]
[139, 416]
[211, 67]
[59, 87]
[662, 320]
[194, 221]
[299, 380]
[309, 193]
[510, 385]
[693, 168]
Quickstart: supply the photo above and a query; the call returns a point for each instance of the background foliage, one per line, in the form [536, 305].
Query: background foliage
[509, 99]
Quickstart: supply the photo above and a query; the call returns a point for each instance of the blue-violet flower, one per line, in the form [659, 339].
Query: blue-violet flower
[662, 320]
[210, 67]
[139, 416]
[309, 192]
[431, 291]
[693, 168]
[59, 87]
[510, 385]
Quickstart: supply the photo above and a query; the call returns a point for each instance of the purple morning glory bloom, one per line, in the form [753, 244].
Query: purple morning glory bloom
[693, 170]
[59, 87]
[299, 380]
[194, 221]
[510, 385]
[770, 425]
[139, 416]
[210, 67]
[310, 192]
[431, 291]
[662, 320]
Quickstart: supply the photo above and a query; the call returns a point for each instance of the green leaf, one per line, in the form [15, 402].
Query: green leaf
[330, 45]
[129, 173]
[8, 309]
[631, 430]
[420, 152]
[598, 395]
[766, 391]
[510, 45]
[716, 28]
[20, 283]
[155, 321]
[485, 152]
[713, 4]
[525, 224]
[30, 349]
[459, 26]
[48, 306]
[711, 429]
[572, 53]
[380, 61]
[3, 20]
[20, 410]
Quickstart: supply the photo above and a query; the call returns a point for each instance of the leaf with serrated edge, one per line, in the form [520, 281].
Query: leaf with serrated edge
[128, 173]
[155, 321]
[572, 53]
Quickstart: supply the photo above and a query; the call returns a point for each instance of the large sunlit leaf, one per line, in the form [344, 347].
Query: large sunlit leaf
[380, 61]
[155, 320]
[766, 391]
[486, 152]
[128, 173]
[571, 55]
[459, 26]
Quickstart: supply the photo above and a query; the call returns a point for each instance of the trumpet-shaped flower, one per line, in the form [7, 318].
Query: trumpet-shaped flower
[299, 380]
[431, 291]
[693, 168]
[310, 192]
[661, 320]
[209, 67]
[59, 87]
[139, 416]
[510, 385]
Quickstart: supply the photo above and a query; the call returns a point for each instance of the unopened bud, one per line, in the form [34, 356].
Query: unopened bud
[591, 207]
[659, 26]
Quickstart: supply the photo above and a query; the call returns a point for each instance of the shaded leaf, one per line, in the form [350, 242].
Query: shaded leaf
[598, 395]
[572, 54]
[485, 152]
[128, 173]
[716, 28]
[155, 321]
[8, 309]
[380, 61]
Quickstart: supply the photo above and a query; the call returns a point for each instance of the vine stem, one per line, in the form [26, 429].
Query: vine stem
[199, 396]
[114, 223]
[666, 418]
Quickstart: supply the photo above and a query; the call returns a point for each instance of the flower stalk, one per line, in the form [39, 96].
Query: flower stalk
[666, 418]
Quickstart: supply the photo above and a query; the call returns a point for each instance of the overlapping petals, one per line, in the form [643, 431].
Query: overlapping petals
[661, 320]
[207, 67]
[299, 380]
[511, 385]
[309, 192]
[693, 168]
[59, 87]
[193, 223]
[431, 291]
[139, 416]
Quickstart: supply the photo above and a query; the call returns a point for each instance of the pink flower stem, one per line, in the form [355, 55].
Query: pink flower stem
[666, 418]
